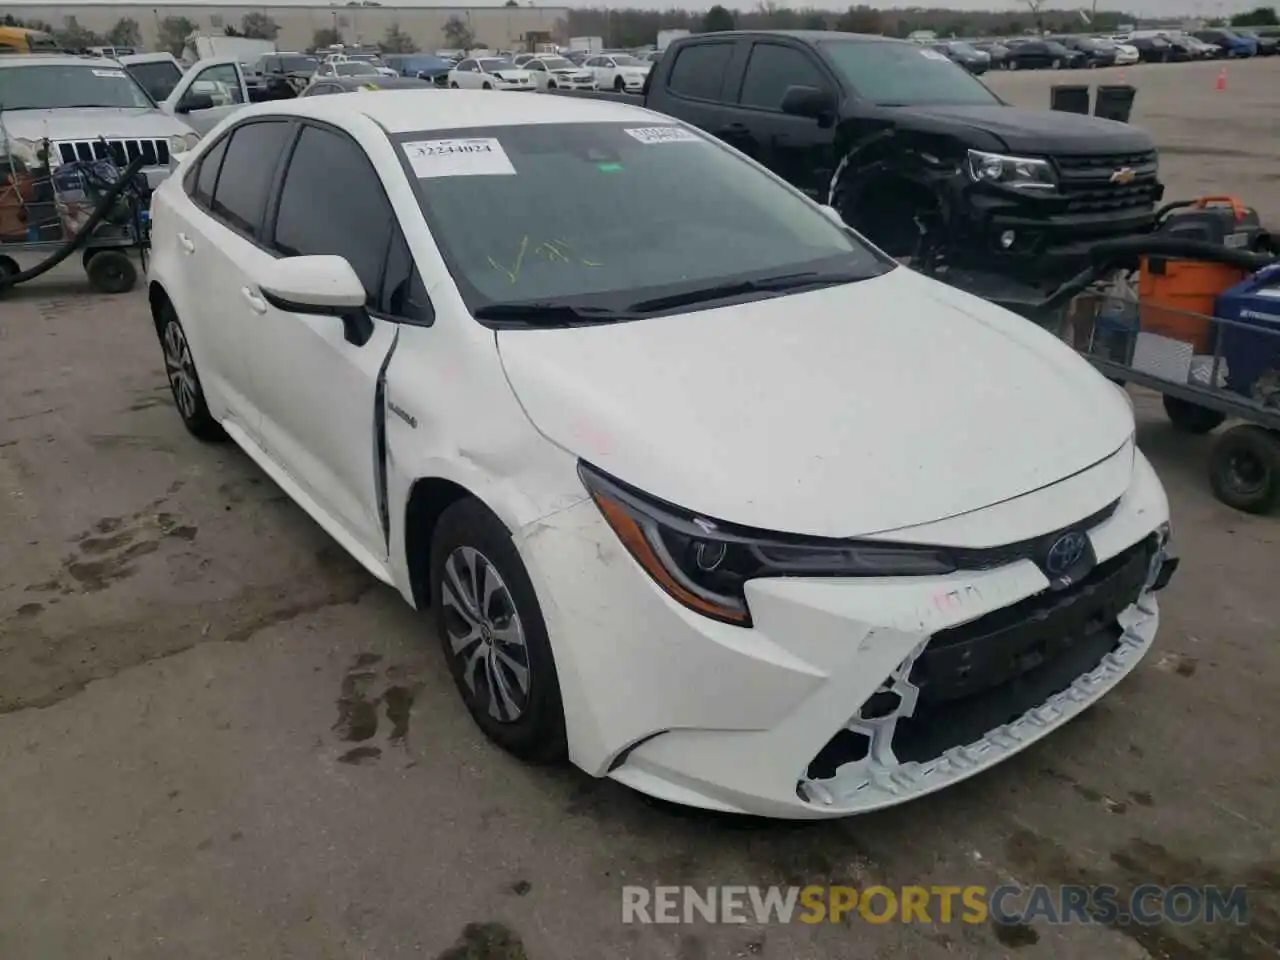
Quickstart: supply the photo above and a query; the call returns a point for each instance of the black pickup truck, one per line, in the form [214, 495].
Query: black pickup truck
[914, 152]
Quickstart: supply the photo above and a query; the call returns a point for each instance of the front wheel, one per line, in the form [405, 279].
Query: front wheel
[180, 367]
[1012, 65]
[495, 640]
[619, 85]
[1057, 64]
[487, 86]
[1244, 469]
[551, 84]
[453, 84]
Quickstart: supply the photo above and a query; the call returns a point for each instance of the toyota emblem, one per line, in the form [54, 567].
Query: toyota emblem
[1065, 553]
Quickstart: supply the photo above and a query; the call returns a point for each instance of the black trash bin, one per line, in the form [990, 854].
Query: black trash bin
[1115, 102]
[1069, 98]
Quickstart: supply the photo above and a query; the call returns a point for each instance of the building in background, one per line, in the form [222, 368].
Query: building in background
[429, 28]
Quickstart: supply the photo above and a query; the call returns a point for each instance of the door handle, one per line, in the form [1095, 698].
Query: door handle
[256, 303]
[185, 242]
[734, 127]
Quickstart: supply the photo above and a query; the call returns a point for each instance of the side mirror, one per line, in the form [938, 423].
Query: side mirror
[323, 286]
[801, 101]
[194, 101]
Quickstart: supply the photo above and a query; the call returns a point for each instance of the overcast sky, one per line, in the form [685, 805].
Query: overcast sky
[1146, 8]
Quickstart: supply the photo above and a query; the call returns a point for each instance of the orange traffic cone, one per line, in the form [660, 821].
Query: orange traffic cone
[1222, 79]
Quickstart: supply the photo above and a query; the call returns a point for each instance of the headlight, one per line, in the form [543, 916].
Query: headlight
[182, 142]
[1021, 173]
[705, 564]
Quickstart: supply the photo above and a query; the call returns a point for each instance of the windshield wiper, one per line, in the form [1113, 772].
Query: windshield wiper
[550, 314]
[792, 281]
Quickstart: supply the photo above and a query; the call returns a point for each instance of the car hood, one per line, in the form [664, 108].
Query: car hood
[516, 74]
[89, 123]
[635, 71]
[840, 412]
[1037, 132]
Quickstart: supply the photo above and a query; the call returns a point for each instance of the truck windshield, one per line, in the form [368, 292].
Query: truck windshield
[609, 215]
[65, 86]
[904, 74]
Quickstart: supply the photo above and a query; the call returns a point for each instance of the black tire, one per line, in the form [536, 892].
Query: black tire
[1244, 469]
[8, 268]
[1191, 417]
[887, 217]
[486, 86]
[536, 732]
[453, 85]
[551, 84]
[1011, 65]
[619, 85]
[110, 271]
[184, 381]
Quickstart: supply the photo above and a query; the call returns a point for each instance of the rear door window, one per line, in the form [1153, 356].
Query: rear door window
[206, 178]
[248, 168]
[700, 69]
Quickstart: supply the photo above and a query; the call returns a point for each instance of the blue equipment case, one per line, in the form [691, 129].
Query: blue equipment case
[1253, 359]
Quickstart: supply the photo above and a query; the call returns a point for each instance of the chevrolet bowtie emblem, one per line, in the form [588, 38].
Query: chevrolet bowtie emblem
[1123, 175]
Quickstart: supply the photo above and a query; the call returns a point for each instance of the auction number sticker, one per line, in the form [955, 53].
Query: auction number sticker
[115, 74]
[661, 134]
[471, 157]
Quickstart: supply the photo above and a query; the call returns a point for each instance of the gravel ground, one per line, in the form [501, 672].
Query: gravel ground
[182, 654]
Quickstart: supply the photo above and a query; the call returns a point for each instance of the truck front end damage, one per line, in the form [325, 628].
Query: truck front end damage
[1030, 216]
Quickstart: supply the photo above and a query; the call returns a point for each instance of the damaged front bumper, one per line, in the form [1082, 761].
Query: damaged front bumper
[847, 695]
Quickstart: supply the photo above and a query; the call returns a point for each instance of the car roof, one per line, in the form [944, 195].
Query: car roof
[383, 83]
[55, 60]
[407, 111]
[804, 36]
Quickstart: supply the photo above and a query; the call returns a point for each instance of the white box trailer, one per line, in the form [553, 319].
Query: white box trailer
[666, 36]
[587, 44]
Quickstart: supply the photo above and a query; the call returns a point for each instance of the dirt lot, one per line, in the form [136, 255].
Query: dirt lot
[179, 646]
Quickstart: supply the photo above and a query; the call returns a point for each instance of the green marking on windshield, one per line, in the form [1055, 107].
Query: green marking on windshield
[609, 167]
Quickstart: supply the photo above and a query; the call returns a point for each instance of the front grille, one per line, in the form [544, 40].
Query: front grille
[1086, 181]
[1007, 643]
[154, 152]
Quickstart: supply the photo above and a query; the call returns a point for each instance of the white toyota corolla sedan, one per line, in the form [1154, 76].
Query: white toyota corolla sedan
[703, 492]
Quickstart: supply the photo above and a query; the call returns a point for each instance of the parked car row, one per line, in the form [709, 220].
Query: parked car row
[1069, 52]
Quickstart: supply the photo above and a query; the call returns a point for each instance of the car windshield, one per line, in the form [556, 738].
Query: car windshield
[64, 86]
[298, 64]
[888, 73]
[158, 78]
[489, 66]
[626, 61]
[963, 48]
[355, 68]
[613, 214]
[556, 63]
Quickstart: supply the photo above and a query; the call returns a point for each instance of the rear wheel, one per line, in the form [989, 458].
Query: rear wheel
[180, 366]
[110, 271]
[1191, 417]
[8, 268]
[1244, 469]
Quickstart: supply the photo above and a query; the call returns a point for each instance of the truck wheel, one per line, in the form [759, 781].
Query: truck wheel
[888, 217]
[1057, 64]
[1244, 469]
[1191, 417]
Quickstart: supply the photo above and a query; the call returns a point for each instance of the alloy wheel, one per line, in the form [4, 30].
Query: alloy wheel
[485, 632]
[181, 369]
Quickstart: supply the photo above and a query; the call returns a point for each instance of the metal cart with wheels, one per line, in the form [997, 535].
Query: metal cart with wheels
[43, 213]
[1230, 371]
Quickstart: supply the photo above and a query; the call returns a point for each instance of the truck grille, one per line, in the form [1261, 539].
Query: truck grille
[1086, 182]
[154, 153]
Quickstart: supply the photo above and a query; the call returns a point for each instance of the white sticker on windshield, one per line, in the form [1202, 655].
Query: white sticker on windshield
[933, 55]
[116, 74]
[661, 134]
[471, 157]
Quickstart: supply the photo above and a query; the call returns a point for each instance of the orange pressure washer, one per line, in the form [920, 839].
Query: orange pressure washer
[1175, 295]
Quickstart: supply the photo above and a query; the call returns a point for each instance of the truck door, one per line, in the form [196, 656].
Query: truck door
[799, 149]
[209, 91]
[700, 85]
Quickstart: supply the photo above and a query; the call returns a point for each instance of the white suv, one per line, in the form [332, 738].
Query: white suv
[702, 491]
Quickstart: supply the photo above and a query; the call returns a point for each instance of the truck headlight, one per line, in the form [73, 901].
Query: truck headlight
[182, 142]
[1020, 173]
